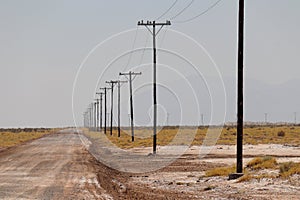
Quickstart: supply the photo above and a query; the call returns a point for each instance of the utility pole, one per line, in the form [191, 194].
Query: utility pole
[91, 116]
[105, 106]
[112, 84]
[108, 117]
[101, 99]
[119, 106]
[128, 120]
[154, 33]
[87, 118]
[168, 116]
[240, 94]
[97, 114]
[84, 119]
[266, 118]
[131, 99]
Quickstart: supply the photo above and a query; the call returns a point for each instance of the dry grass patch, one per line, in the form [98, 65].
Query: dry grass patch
[220, 171]
[288, 169]
[266, 162]
[9, 139]
[249, 177]
[195, 136]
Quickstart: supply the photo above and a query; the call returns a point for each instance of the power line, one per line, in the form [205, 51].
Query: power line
[167, 10]
[134, 41]
[200, 14]
[182, 10]
[144, 49]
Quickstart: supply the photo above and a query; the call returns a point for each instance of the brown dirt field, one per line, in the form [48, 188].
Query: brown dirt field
[59, 166]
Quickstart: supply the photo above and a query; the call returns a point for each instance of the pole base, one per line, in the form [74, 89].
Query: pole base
[234, 176]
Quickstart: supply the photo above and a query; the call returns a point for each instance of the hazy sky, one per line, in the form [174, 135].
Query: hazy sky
[43, 44]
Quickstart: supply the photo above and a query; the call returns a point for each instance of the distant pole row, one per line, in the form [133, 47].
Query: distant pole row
[91, 116]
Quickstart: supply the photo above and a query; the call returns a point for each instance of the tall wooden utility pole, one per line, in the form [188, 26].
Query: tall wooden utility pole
[240, 94]
[84, 119]
[91, 116]
[266, 118]
[97, 114]
[119, 106]
[105, 106]
[154, 33]
[131, 99]
[112, 84]
[101, 99]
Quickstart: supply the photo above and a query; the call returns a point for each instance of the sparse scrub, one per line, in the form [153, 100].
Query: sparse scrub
[262, 163]
[249, 177]
[18, 136]
[254, 136]
[281, 134]
[289, 168]
[220, 171]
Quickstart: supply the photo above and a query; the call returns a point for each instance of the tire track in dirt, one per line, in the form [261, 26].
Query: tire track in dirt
[53, 167]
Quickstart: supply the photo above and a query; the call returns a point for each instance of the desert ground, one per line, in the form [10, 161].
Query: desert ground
[66, 165]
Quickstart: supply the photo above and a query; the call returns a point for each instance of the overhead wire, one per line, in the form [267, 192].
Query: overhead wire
[179, 13]
[167, 10]
[134, 41]
[130, 55]
[200, 14]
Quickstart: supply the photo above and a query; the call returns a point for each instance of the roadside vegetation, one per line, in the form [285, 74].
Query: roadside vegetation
[12, 137]
[252, 135]
[259, 168]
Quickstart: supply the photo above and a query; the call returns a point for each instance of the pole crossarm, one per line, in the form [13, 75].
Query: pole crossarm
[154, 23]
[128, 73]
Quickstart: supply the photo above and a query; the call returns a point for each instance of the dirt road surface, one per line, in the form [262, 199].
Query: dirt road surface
[53, 167]
[58, 166]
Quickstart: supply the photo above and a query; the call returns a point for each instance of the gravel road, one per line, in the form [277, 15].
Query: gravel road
[53, 167]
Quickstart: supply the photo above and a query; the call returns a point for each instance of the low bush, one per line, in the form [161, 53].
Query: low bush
[289, 168]
[266, 162]
[220, 171]
[281, 134]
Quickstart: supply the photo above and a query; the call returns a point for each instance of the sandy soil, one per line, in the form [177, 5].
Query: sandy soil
[187, 174]
[59, 166]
